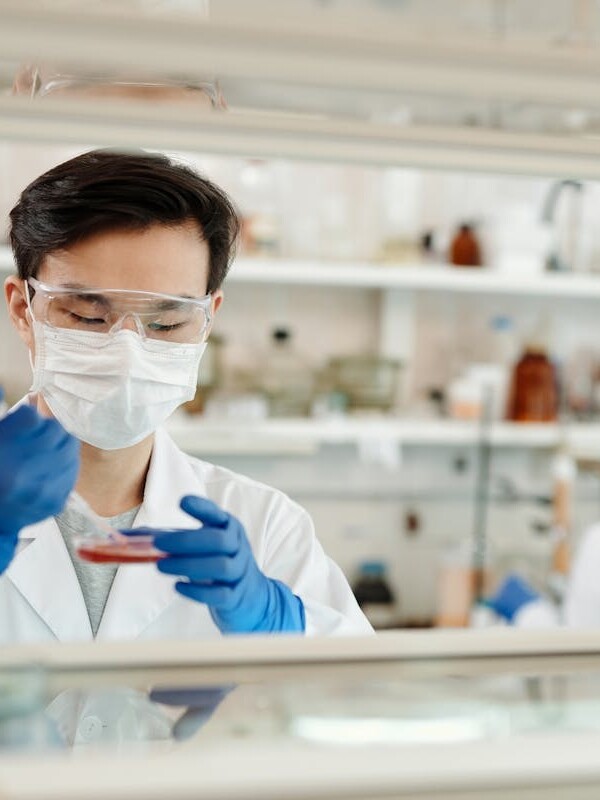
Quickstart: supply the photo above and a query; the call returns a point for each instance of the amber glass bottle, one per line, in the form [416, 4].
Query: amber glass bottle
[534, 391]
[464, 249]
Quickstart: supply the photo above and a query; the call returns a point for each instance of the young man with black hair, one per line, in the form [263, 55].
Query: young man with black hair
[120, 259]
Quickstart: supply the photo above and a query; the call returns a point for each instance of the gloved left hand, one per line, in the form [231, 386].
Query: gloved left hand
[221, 571]
[513, 594]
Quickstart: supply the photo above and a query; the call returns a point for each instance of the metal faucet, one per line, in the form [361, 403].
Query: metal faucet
[554, 261]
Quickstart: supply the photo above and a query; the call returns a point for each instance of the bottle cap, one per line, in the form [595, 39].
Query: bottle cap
[372, 568]
[281, 334]
[501, 322]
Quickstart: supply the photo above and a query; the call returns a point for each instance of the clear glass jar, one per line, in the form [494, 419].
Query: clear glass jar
[287, 381]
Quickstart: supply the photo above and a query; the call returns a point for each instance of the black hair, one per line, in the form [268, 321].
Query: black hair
[105, 190]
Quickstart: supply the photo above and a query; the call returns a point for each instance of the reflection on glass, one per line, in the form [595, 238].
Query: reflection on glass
[23, 722]
[327, 712]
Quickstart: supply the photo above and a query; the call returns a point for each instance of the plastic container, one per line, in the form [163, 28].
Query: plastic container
[260, 205]
[374, 594]
[102, 544]
[458, 584]
[464, 399]
[287, 382]
[103, 550]
[210, 375]
[519, 242]
[480, 385]
[369, 382]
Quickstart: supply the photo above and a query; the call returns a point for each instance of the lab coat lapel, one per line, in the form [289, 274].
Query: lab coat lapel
[140, 593]
[44, 574]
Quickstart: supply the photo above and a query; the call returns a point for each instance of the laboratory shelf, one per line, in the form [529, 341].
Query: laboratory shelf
[417, 277]
[409, 277]
[332, 70]
[305, 436]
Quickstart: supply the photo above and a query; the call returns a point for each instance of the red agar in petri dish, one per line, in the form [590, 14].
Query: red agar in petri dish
[107, 552]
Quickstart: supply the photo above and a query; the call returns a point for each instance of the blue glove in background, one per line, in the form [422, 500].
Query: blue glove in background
[39, 464]
[514, 593]
[219, 565]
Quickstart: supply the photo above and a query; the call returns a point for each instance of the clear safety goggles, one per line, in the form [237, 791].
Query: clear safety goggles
[163, 317]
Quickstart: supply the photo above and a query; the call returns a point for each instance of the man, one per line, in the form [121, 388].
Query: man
[120, 262]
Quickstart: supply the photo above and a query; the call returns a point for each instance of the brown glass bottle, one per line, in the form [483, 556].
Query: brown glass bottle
[534, 391]
[464, 249]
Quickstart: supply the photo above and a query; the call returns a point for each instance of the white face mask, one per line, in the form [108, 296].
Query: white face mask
[114, 393]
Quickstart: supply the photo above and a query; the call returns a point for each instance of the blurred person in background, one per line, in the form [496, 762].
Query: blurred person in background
[519, 604]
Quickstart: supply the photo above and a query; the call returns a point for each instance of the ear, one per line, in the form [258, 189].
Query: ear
[217, 299]
[14, 291]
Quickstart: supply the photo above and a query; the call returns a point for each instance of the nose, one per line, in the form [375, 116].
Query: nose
[130, 322]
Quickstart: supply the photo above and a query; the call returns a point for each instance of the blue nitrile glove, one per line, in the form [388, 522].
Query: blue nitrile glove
[221, 571]
[201, 702]
[512, 595]
[39, 464]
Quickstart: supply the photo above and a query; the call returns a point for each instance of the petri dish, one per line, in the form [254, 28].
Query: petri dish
[103, 550]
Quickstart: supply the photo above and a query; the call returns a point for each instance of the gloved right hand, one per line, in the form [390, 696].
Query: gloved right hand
[39, 464]
[513, 594]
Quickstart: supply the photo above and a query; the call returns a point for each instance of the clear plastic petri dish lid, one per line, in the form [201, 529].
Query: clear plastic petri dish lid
[101, 543]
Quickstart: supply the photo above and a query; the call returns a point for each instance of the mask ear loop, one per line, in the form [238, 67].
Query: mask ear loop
[30, 317]
[31, 320]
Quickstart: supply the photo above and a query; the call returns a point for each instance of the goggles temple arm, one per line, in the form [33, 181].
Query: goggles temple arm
[29, 293]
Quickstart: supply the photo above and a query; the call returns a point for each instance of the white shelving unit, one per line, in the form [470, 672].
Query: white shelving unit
[305, 436]
[412, 277]
[349, 58]
[409, 277]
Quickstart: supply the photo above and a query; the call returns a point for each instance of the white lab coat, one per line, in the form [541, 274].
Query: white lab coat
[41, 600]
[581, 606]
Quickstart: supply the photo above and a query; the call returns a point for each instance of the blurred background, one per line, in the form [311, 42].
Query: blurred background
[409, 344]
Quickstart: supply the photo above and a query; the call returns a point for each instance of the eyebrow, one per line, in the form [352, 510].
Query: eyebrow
[100, 297]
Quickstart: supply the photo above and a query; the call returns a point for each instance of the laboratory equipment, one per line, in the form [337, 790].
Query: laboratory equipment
[158, 317]
[105, 550]
[210, 375]
[488, 714]
[369, 382]
[564, 473]
[374, 594]
[533, 395]
[465, 250]
[564, 254]
[103, 544]
[261, 208]
[287, 381]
